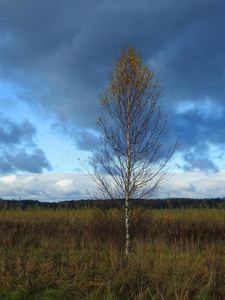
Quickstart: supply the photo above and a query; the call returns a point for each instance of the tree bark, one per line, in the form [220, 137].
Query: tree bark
[127, 245]
[127, 189]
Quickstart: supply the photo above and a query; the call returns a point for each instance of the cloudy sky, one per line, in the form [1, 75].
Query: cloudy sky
[55, 57]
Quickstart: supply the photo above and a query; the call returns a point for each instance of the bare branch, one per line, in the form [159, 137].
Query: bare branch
[131, 161]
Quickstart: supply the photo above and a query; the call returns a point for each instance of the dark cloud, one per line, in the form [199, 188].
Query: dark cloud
[12, 133]
[32, 163]
[5, 166]
[199, 159]
[198, 163]
[202, 127]
[60, 54]
[15, 138]
[202, 124]
[22, 161]
[191, 70]
[86, 140]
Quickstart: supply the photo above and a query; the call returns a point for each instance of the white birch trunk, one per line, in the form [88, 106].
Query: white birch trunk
[127, 188]
[127, 246]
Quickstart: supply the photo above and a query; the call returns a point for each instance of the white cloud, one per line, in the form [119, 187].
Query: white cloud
[195, 185]
[48, 187]
[65, 185]
[28, 179]
[8, 179]
[69, 186]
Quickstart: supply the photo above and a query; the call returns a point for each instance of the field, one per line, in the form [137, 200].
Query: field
[79, 254]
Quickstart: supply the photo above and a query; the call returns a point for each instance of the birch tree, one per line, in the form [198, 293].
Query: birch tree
[131, 161]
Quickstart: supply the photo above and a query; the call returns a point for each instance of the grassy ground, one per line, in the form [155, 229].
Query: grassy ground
[64, 254]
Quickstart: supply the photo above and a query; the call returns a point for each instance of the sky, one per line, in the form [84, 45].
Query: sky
[55, 58]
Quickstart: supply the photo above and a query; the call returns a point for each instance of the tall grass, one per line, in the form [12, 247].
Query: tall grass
[65, 254]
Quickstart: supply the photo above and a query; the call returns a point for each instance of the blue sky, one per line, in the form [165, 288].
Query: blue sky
[55, 57]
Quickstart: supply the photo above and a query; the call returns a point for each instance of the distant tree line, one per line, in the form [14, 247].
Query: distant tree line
[172, 203]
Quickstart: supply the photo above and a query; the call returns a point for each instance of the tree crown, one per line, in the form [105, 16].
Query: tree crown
[133, 126]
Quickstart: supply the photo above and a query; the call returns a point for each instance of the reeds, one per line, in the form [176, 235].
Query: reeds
[65, 254]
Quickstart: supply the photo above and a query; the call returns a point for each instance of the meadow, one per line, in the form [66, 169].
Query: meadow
[79, 254]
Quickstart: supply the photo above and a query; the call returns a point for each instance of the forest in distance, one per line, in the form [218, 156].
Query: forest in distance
[169, 203]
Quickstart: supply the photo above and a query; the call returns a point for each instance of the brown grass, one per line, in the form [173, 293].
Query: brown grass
[64, 254]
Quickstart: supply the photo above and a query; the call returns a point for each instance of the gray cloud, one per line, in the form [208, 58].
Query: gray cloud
[32, 163]
[12, 133]
[86, 140]
[5, 166]
[192, 66]
[196, 163]
[201, 125]
[60, 54]
[198, 159]
[18, 151]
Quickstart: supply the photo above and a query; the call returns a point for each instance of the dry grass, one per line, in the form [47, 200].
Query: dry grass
[64, 254]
